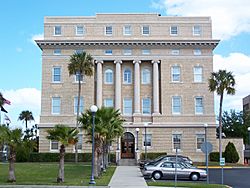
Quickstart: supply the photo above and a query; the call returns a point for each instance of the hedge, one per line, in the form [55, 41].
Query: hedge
[215, 156]
[152, 155]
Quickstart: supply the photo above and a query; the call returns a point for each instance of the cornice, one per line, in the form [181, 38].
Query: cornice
[177, 43]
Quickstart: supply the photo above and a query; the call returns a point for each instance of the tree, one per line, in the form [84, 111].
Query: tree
[231, 154]
[66, 136]
[1, 100]
[108, 125]
[221, 82]
[235, 124]
[26, 116]
[81, 64]
[13, 139]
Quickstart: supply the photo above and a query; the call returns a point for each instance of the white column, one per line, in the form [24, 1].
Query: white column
[99, 84]
[137, 87]
[155, 87]
[118, 86]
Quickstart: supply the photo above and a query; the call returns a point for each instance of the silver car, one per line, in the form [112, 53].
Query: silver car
[166, 169]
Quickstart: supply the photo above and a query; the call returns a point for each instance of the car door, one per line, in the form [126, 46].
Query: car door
[167, 170]
[182, 171]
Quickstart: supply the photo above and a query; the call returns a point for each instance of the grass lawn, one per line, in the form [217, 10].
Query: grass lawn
[46, 174]
[186, 184]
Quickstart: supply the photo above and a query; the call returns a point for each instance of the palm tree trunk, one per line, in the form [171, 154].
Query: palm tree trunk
[220, 125]
[60, 178]
[12, 158]
[26, 124]
[97, 163]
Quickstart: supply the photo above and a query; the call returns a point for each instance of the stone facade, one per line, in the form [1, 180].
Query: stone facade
[176, 51]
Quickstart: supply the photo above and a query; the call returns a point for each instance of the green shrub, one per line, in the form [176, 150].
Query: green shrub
[22, 154]
[152, 155]
[215, 156]
[231, 154]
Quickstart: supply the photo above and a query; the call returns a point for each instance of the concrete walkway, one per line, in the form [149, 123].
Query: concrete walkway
[127, 176]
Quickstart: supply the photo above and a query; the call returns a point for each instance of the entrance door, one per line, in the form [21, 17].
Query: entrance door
[128, 146]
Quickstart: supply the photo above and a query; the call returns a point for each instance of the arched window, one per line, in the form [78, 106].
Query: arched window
[109, 76]
[127, 76]
[145, 76]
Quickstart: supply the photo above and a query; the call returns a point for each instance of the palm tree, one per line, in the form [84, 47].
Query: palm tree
[26, 116]
[1, 100]
[66, 136]
[81, 64]
[221, 82]
[108, 125]
[13, 139]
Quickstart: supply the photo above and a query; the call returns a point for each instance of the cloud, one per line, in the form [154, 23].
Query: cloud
[23, 99]
[239, 64]
[229, 18]
[36, 37]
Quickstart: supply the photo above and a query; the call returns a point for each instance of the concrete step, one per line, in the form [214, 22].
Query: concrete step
[127, 162]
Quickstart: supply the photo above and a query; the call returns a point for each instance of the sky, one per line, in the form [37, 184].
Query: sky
[22, 23]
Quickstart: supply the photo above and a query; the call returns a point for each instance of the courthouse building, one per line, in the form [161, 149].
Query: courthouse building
[153, 68]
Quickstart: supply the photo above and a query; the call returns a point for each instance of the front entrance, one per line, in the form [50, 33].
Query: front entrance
[128, 146]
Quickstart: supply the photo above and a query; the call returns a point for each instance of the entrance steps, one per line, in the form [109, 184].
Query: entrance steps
[127, 162]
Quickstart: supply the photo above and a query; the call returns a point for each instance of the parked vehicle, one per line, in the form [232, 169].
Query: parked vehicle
[180, 158]
[166, 169]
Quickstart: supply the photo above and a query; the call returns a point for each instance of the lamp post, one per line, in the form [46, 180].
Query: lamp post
[137, 132]
[145, 140]
[248, 135]
[93, 109]
[206, 125]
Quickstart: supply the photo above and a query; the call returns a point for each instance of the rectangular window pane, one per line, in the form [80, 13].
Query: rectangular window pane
[176, 105]
[57, 52]
[127, 52]
[108, 103]
[197, 51]
[78, 77]
[127, 30]
[175, 52]
[146, 106]
[148, 138]
[199, 105]
[78, 51]
[145, 30]
[54, 145]
[108, 30]
[177, 141]
[197, 30]
[79, 30]
[108, 52]
[176, 74]
[146, 51]
[56, 105]
[200, 140]
[79, 144]
[81, 107]
[127, 106]
[197, 74]
[57, 30]
[174, 30]
[57, 74]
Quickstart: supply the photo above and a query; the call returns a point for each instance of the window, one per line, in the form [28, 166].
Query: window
[78, 77]
[148, 140]
[146, 52]
[127, 76]
[173, 30]
[57, 30]
[145, 30]
[197, 51]
[79, 30]
[177, 141]
[198, 74]
[108, 103]
[54, 145]
[127, 106]
[197, 30]
[200, 139]
[146, 76]
[176, 74]
[57, 52]
[127, 30]
[81, 107]
[176, 105]
[56, 105]
[175, 52]
[56, 74]
[108, 76]
[127, 52]
[146, 106]
[80, 141]
[108, 52]
[198, 105]
[78, 51]
[108, 30]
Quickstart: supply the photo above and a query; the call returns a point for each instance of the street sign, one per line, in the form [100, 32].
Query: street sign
[222, 161]
[209, 147]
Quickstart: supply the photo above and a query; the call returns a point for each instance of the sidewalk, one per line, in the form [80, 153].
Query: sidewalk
[127, 176]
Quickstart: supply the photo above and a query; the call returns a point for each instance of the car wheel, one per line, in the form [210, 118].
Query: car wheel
[194, 176]
[157, 175]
